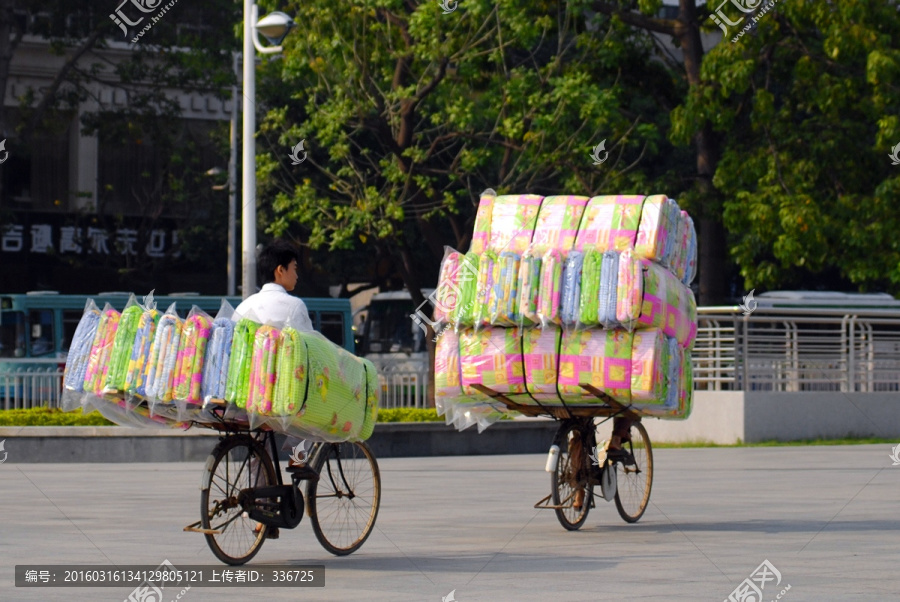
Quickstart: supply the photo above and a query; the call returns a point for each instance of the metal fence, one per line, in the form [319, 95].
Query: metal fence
[797, 350]
[26, 383]
[402, 383]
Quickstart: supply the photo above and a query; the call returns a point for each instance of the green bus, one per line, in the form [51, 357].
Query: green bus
[41, 324]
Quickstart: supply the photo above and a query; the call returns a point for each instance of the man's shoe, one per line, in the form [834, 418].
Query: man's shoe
[273, 533]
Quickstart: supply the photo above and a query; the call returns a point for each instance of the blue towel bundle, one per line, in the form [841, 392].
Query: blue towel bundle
[218, 355]
[609, 283]
[80, 349]
[571, 292]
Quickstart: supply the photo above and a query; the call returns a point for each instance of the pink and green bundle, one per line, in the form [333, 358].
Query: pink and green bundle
[121, 350]
[550, 291]
[164, 356]
[488, 270]
[262, 370]
[540, 354]
[492, 357]
[448, 287]
[503, 302]
[98, 364]
[629, 290]
[371, 396]
[602, 358]
[667, 304]
[482, 234]
[513, 218]
[447, 377]
[290, 380]
[557, 223]
[79, 354]
[188, 376]
[218, 355]
[610, 223]
[335, 405]
[649, 367]
[140, 352]
[529, 287]
[237, 386]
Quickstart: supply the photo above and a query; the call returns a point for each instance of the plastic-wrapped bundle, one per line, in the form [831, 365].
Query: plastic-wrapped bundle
[292, 368]
[487, 272]
[98, 364]
[218, 354]
[610, 223]
[676, 254]
[447, 383]
[685, 388]
[690, 252]
[540, 356]
[549, 293]
[188, 376]
[512, 222]
[609, 285]
[447, 295]
[165, 355]
[529, 287]
[80, 350]
[121, 350]
[653, 230]
[599, 357]
[667, 304]
[557, 223]
[571, 288]
[630, 290]
[591, 279]
[371, 393]
[492, 357]
[673, 226]
[676, 365]
[503, 301]
[649, 367]
[237, 385]
[140, 351]
[262, 371]
[482, 234]
[335, 405]
[464, 312]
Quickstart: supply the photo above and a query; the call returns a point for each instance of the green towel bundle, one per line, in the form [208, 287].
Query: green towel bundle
[237, 387]
[371, 396]
[463, 313]
[292, 368]
[121, 349]
[590, 289]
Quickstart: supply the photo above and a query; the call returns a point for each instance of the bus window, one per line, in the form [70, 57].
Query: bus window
[71, 318]
[12, 334]
[41, 322]
[332, 326]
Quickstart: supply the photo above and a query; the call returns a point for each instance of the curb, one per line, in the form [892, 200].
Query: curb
[114, 444]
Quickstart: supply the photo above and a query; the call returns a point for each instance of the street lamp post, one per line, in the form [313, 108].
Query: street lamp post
[275, 28]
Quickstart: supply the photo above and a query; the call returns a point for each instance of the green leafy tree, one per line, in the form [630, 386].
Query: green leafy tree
[408, 114]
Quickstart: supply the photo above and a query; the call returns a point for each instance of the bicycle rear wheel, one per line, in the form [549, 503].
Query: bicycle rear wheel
[634, 474]
[236, 463]
[343, 502]
[571, 475]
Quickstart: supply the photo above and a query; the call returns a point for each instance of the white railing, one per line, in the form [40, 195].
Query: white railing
[402, 383]
[27, 383]
[797, 350]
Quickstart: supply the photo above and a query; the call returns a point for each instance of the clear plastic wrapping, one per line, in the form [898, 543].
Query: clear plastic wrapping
[123, 344]
[218, 354]
[79, 356]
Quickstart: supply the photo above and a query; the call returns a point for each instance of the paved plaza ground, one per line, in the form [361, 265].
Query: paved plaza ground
[826, 518]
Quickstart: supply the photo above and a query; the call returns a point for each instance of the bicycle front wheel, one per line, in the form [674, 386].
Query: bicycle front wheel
[238, 462]
[344, 500]
[569, 483]
[634, 474]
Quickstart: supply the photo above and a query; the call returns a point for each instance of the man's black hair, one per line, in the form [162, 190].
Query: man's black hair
[277, 253]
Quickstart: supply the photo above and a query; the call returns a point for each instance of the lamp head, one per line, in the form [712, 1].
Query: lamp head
[275, 27]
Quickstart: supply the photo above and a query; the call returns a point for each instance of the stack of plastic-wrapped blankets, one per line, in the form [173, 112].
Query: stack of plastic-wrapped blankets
[141, 367]
[560, 291]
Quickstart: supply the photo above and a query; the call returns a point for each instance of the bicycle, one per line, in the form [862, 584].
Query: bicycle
[624, 476]
[243, 494]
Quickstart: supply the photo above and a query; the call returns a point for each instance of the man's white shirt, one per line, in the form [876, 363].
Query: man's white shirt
[273, 305]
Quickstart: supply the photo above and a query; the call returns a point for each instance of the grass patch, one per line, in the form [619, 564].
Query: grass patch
[51, 417]
[409, 415]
